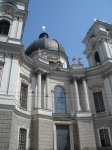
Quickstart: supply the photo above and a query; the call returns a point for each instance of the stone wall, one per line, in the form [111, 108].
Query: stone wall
[75, 136]
[86, 134]
[42, 134]
[19, 122]
[5, 129]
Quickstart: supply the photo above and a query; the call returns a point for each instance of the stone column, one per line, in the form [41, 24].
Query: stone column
[19, 31]
[101, 51]
[76, 95]
[39, 89]
[85, 94]
[109, 46]
[6, 74]
[108, 89]
[105, 48]
[90, 58]
[47, 92]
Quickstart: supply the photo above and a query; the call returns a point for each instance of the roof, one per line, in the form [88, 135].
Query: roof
[44, 43]
[94, 23]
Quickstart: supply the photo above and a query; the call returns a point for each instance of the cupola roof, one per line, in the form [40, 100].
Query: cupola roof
[44, 42]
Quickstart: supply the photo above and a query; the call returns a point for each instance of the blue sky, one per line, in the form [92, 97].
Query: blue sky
[67, 21]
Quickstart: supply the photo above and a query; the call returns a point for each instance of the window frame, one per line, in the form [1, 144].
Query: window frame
[98, 131]
[26, 103]
[69, 123]
[103, 101]
[94, 89]
[66, 99]
[27, 133]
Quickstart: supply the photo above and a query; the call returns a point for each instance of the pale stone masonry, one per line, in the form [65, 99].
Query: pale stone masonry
[46, 104]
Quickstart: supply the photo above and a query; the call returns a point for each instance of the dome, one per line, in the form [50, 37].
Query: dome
[44, 43]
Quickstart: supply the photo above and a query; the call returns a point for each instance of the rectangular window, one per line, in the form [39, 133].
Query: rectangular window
[22, 139]
[104, 137]
[63, 141]
[98, 100]
[23, 96]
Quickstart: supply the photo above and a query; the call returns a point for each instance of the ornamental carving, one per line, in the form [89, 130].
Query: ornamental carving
[97, 87]
[58, 66]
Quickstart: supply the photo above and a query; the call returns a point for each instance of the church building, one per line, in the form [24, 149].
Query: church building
[46, 104]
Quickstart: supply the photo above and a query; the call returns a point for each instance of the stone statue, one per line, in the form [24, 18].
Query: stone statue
[45, 55]
[39, 52]
[74, 60]
[79, 60]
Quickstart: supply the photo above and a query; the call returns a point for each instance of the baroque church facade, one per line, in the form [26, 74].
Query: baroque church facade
[45, 104]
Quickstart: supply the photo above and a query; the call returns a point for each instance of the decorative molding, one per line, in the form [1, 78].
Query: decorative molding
[13, 56]
[25, 79]
[104, 76]
[96, 87]
[8, 55]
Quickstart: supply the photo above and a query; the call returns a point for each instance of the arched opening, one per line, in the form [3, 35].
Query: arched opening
[59, 100]
[4, 27]
[97, 58]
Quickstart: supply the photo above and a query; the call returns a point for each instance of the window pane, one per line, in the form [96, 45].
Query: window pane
[22, 139]
[23, 96]
[59, 100]
[104, 136]
[4, 27]
[63, 141]
[98, 100]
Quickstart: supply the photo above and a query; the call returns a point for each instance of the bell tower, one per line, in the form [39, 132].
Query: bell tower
[98, 42]
[13, 14]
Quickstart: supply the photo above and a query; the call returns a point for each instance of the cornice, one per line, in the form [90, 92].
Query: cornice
[24, 77]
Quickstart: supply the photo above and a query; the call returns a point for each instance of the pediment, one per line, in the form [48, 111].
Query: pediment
[96, 87]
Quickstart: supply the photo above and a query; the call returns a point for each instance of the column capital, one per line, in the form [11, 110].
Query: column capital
[7, 55]
[39, 72]
[105, 76]
[47, 74]
[83, 78]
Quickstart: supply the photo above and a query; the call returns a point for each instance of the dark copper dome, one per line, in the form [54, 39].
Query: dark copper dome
[44, 43]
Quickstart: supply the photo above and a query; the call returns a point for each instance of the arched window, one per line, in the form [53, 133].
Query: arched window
[59, 100]
[4, 27]
[97, 58]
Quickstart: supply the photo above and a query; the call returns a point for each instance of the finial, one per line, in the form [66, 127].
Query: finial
[43, 28]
